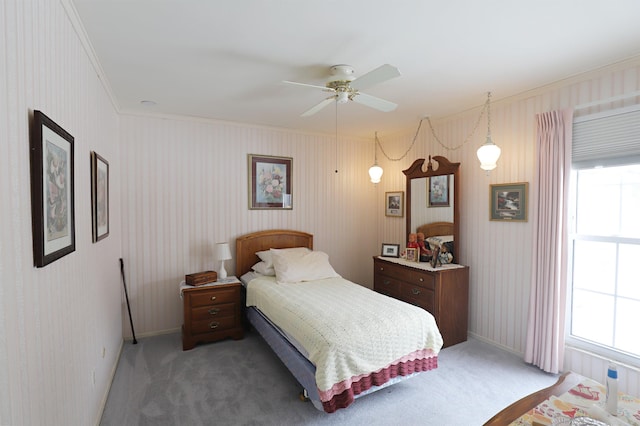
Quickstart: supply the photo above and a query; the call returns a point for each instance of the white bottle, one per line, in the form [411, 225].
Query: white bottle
[612, 390]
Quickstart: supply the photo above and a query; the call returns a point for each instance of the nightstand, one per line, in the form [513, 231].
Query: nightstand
[212, 312]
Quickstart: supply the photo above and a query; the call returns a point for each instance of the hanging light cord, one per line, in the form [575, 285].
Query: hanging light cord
[485, 108]
[336, 137]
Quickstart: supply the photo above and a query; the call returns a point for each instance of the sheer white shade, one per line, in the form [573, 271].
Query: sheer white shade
[222, 251]
[488, 155]
[375, 173]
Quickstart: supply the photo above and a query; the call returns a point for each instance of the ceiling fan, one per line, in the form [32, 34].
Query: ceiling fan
[346, 88]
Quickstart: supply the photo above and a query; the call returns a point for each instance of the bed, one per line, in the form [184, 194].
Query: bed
[331, 376]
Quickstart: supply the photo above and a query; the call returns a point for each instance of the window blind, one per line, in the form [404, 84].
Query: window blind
[607, 139]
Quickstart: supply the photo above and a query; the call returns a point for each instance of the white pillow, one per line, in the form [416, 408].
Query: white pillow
[264, 269]
[298, 266]
[267, 258]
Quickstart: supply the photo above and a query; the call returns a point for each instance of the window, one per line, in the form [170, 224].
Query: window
[604, 235]
[605, 268]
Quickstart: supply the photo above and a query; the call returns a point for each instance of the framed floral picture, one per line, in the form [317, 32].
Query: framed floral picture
[438, 191]
[52, 191]
[99, 197]
[270, 184]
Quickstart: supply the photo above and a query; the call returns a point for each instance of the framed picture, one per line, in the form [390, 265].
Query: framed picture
[438, 191]
[394, 203]
[52, 191]
[508, 202]
[390, 250]
[412, 254]
[99, 197]
[270, 184]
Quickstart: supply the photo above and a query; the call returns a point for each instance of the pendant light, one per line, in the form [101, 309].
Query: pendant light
[375, 171]
[488, 153]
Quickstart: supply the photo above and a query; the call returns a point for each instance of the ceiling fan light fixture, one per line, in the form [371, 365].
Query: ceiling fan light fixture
[342, 97]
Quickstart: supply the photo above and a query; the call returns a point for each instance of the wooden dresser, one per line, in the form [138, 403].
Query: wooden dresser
[443, 291]
[212, 312]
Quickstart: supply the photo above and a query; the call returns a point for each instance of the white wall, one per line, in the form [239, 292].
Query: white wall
[54, 321]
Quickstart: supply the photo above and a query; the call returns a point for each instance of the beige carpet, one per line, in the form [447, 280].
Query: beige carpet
[244, 383]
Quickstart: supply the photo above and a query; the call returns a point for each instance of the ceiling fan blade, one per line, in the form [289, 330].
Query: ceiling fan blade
[318, 107]
[308, 85]
[382, 73]
[373, 102]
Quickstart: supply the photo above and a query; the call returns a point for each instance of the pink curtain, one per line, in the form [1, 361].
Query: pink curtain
[545, 331]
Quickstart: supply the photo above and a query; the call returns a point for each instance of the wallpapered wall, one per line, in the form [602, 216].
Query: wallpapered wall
[178, 186]
[60, 329]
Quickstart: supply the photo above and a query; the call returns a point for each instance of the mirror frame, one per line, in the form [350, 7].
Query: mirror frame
[445, 167]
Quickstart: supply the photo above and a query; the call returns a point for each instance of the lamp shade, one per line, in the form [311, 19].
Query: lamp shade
[488, 155]
[222, 251]
[375, 173]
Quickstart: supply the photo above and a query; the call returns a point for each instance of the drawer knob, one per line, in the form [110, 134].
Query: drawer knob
[213, 298]
[382, 268]
[415, 291]
[214, 324]
[214, 311]
[421, 279]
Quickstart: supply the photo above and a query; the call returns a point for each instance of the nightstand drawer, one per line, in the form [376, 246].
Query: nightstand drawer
[213, 312]
[213, 325]
[215, 296]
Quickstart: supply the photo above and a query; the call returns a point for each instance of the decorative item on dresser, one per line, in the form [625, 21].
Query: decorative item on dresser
[212, 312]
[444, 292]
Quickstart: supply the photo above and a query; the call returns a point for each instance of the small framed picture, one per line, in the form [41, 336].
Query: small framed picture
[438, 191]
[390, 250]
[394, 203]
[508, 202]
[99, 197]
[412, 254]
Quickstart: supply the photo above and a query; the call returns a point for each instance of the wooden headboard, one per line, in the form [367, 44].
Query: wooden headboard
[248, 245]
[436, 228]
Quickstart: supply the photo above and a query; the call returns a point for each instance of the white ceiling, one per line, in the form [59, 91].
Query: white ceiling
[226, 59]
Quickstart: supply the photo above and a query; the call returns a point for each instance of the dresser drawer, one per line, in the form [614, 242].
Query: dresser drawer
[214, 296]
[419, 296]
[213, 325]
[423, 279]
[213, 312]
[386, 285]
[392, 270]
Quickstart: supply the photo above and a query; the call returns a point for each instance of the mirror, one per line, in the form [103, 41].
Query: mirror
[432, 199]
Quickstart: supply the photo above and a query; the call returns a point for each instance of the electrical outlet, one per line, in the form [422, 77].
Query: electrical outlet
[104, 351]
[93, 377]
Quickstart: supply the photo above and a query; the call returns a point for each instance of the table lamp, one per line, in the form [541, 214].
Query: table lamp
[222, 253]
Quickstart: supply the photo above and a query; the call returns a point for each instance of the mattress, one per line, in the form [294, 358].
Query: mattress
[338, 325]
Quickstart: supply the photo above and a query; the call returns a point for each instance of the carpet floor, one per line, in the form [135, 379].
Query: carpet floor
[243, 383]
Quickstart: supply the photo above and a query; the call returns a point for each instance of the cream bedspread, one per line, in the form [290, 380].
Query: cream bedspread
[348, 330]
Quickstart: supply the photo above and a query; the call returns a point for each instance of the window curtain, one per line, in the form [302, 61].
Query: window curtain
[545, 330]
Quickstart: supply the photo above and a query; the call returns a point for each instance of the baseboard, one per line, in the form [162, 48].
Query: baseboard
[498, 345]
[153, 333]
[105, 396]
